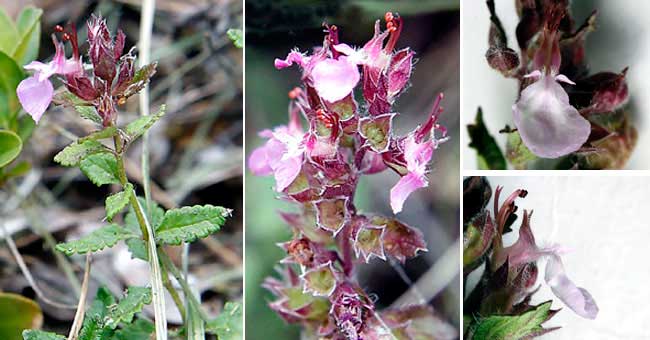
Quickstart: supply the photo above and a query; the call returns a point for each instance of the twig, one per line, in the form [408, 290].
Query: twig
[28, 274]
[81, 307]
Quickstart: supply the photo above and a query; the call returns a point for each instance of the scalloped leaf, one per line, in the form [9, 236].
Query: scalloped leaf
[528, 324]
[139, 126]
[236, 36]
[133, 302]
[33, 334]
[228, 324]
[93, 329]
[189, 224]
[117, 201]
[100, 168]
[108, 132]
[104, 237]
[137, 247]
[83, 108]
[138, 330]
[73, 154]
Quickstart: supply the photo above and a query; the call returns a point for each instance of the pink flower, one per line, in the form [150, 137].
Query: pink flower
[334, 79]
[418, 149]
[525, 250]
[417, 157]
[35, 93]
[282, 156]
[548, 124]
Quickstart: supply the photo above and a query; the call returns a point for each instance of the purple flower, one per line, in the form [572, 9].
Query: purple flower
[35, 93]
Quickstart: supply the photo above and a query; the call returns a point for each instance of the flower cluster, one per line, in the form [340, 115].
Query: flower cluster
[319, 169]
[113, 78]
[510, 273]
[562, 110]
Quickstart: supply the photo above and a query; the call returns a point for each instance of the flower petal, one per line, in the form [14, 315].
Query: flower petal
[404, 187]
[286, 172]
[549, 126]
[35, 96]
[576, 298]
[292, 57]
[334, 79]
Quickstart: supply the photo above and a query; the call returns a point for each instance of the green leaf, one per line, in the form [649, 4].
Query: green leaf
[93, 329]
[511, 327]
[17, 313]
[29, 30]
[33, 334]
[237, 37]
[139, 126]
[25, 128]
[83, 108]
[135, 299]
[137, 247]
[104, 237]
[108, 132]
[18, 170]
[489, 155]
[10, 147]
[100, 168]
[73, 154]
[8, 33]
[116, 202]
[518, 153]
[10, 76]
[99, 307]
[138, 330]
[228, 324]
[188, 224]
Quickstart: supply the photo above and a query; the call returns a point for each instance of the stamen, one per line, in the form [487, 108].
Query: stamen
[394, 26]
[58, 28]
[295, 93]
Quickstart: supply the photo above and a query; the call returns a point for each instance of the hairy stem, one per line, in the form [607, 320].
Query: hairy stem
[157, 290]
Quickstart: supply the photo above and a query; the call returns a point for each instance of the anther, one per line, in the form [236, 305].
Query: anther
[58, 28]
[65, 37]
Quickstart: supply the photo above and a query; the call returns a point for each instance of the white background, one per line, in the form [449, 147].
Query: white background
[604, 222]
[622, 38]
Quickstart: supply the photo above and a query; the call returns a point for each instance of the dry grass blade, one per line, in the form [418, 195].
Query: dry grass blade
[81, 307]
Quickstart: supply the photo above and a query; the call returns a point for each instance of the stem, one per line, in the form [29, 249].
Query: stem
[157, 289]
[173, 292]
[146, 26]
[167, 262]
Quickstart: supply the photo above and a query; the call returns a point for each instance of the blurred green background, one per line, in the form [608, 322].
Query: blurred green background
[432, 30]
